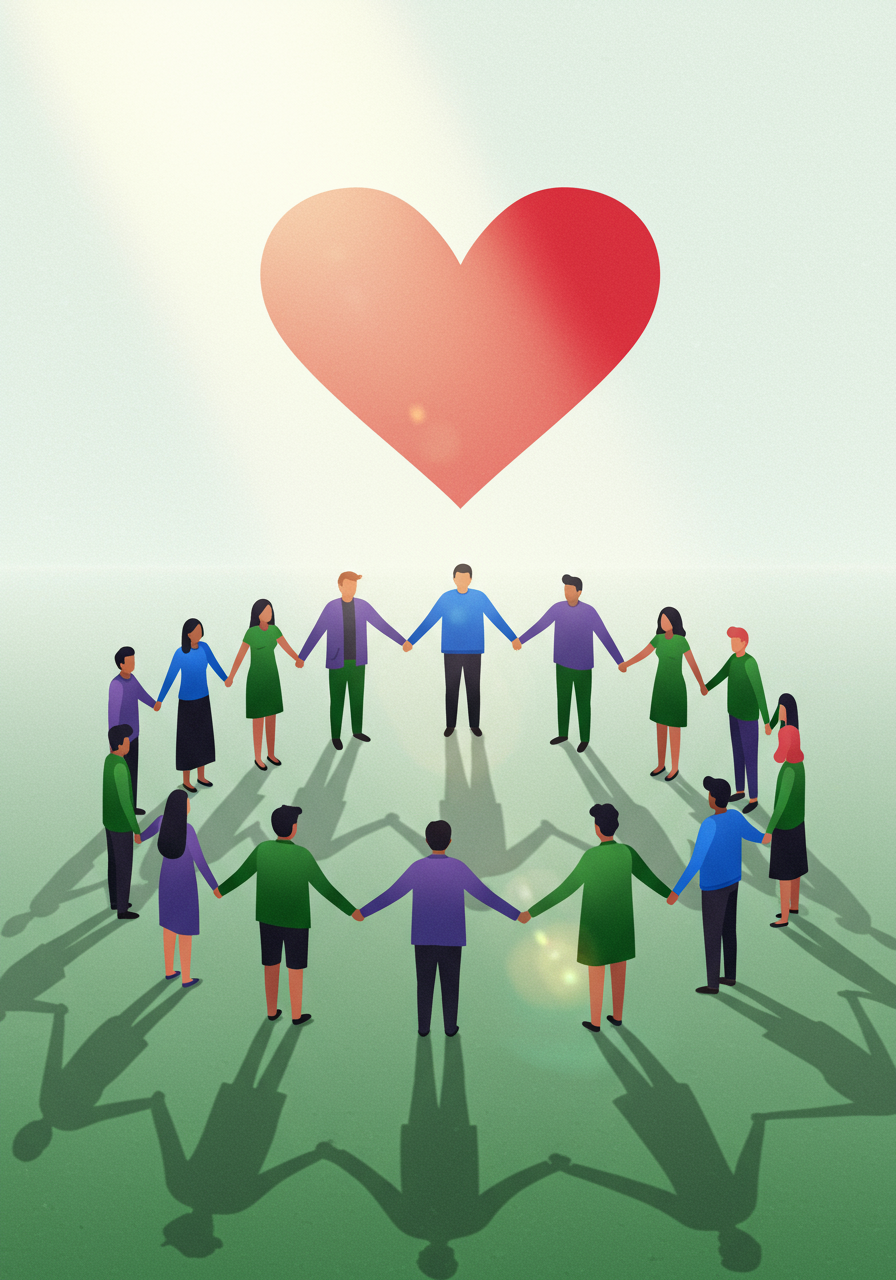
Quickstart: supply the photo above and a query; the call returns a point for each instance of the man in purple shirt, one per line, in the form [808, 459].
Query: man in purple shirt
[438, 925]
[125, 695]
[575, 624]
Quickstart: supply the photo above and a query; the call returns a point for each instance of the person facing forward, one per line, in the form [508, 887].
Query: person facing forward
[717, 856]
[178, 899]
[125, 695]
[264, 701]
[746, 701]
[120, 821]
[669, 704]
[463, 642]
[607, 923]
[282, 906]
[786, 831]
[345, 622]
[438, 925]
[195, 731]
[575, 624]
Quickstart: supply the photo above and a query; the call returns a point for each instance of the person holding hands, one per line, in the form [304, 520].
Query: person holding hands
[786, 832]
[264, 701]
[125, 695]
[746, 702]
[119, 821]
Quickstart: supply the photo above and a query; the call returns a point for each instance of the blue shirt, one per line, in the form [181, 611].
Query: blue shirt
[462, 613]
[438, 884]
[192, 666]
[717, 852]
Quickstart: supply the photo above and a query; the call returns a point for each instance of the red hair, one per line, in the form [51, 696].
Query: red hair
[788, 745]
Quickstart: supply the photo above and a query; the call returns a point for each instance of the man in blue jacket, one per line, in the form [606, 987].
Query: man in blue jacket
[463, 641]
[717, 856]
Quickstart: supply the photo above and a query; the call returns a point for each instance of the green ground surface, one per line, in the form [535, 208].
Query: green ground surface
[758, 1123]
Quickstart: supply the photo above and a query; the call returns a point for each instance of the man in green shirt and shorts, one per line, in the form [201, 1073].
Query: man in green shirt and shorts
[746, 700]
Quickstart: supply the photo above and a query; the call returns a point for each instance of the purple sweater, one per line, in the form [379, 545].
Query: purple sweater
[574, 625]
[125, 697]
[438, 883]
[330, 621]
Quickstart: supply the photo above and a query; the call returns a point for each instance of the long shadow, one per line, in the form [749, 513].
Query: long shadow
[439, 1200]
[70, 1094]
[43, 967]
[670, 1122]
[224, 1173]
[323, 803]
[822, 947]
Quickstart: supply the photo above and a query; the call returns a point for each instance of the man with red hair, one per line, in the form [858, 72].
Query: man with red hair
[746, 700]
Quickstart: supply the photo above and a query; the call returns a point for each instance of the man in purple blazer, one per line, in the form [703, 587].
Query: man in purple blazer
[438, 926]
[345, 622]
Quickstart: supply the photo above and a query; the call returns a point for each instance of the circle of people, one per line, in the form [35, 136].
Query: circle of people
[284, 870]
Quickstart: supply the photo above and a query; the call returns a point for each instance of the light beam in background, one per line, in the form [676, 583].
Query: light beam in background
[543, 968]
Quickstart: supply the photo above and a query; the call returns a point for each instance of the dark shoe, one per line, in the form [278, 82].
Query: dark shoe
[449, 731]
[362, 737]
[337, 743]
[276, 763]
[112, 906]
[589, 1026]
[272, 1017]
[748, 808]
[203, 782]
[128, 915]
[452, 1033]
[262, 767]
[422, 1033]
[779, 924]
[297, 1022]
[726, 982]
[656, 773]
[140, 812]
[186, 786]
[556, 741]
[707, 991]
[581, 746]
[736, 795]
[794, 911]
[169, 977]
[670, 777]
[194, 982]
[616, 1022]
[476, 731]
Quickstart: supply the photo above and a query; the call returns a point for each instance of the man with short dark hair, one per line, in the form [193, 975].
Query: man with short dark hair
[125, 695]
[717, 856]
[120, 821]
[575, 626]
[438, 926]
[282, 906]
[746, 702]
[463, 642]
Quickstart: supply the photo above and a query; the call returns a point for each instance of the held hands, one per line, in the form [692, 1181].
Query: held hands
[228, 682]
[524, 917]
[356, 915]
[158, 707]
[768, 728]
[767, 838]
[136, 838]
[407, 646]
[218, 893]
[672, 899]
[300, 662]
[623, 667]
[517, 643]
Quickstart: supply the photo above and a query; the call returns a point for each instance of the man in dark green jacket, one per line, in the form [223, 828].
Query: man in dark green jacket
[746, 702]
[283, 872]
[120, 821]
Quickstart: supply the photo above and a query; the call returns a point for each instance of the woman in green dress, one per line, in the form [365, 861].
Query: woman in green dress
[607, 924]
[669, 705]
[264, 702]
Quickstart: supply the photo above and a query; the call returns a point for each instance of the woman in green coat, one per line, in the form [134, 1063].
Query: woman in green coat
[786, 831]
[669, 705]
[607, 925]
[264, 701]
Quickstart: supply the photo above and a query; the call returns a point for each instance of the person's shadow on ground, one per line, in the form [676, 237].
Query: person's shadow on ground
[44, 966]
[224, 1173]
[666, 1116]
[831, 953]
[70, 1094]
[322, 800]
[439, 1200]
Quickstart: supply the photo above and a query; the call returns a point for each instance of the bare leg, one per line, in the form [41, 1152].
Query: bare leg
[795, 894]
[200, 773]
[675, 744]
[168, 940]
[296, 977]
[596, 975]
[186, 951]
[785, 900]
[271, 987]
[257, 727]
[186, 777]
[617, 981]
[660, 750]
[270, 728]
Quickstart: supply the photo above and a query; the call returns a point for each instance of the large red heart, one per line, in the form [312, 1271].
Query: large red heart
[460, 366]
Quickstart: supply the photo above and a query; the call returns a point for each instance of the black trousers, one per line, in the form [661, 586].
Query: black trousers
[120, 850]
[447, 961]
[131, 760]
[720, 928]
[469, 664]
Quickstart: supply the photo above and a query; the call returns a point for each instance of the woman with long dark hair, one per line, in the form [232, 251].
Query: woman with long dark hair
[264, 701]
[669, 705]
[786, 831]
[178, 897]
[195, 731]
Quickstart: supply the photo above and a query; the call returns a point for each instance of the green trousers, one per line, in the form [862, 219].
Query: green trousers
[567, 680]
[352, 675]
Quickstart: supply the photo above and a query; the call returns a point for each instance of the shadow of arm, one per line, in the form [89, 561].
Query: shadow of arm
[665, 1201]
[497, 1196]
[387, 1196]
[273, 1177]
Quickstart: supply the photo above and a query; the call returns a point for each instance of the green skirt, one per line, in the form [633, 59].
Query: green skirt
[669, 704]
[263, 696]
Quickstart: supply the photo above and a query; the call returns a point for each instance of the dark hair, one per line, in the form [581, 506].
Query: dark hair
[173, 831]
[125, 652]
[462, 568]
[606, 816]
[569, 581]
[257, 609]
[675, 618]
[117, 735]
[190, 625]
[788, 702]
[438, 834]
[719, 789]
[284, 819]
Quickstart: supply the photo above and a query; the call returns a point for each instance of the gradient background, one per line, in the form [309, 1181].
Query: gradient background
[166, 455]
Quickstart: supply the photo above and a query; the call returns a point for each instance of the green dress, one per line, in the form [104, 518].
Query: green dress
[669, 704]
[607, 924]
[263, 696]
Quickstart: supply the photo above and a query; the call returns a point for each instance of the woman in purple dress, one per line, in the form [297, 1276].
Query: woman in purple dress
[178, 895]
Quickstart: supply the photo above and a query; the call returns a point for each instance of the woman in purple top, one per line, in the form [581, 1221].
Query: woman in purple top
[178, 896]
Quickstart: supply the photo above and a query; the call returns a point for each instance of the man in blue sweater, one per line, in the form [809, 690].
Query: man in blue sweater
[463, 641]
[717, 856]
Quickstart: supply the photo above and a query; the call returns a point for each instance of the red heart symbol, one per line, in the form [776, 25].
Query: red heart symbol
[460, 366]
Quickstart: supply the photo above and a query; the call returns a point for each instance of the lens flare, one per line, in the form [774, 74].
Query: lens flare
[544, 970]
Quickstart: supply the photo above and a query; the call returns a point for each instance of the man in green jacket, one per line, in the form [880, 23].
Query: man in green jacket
[283, 872]
[746, 700]
[120, 821]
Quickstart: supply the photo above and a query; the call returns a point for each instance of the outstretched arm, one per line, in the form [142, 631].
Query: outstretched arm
[606, 639]
[402, 885]
[720, 675]
[645, 653]
[287, 648]
[116, 693]
[642, 872]
[545, 621]
[173, 668]
[488, 897]
[497, 1196]
[327, 890]
[701, 848]
[315, 634]
[382, 625]
[563, 890]
[240, 654]
[387, 1196]
[692, 663]
[241, 875]
[429, 621]
[494, 617]
[782, 798]
[213, 662]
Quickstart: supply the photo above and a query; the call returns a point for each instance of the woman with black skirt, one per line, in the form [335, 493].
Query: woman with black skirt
[786, 830]
[195, 731]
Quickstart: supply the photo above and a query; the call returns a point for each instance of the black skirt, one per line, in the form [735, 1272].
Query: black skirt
[788, 859]
[195, 734]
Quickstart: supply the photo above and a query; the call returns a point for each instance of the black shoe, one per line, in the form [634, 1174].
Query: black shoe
[581, 746]
[422, 1033]
[297, 1022]
[736, 795]
[449, 731]
[262, 767]
[779, 924]
[362, 737]
[726, 982]
[337, 743]
[203, 782]
[670, 777]
[707, 991]
[476, 731]
[275, 763]
[657, 773]
[272, 1017]
[794, 911]
[555, 741]
[128, 915]
[589, 1026]
[140, 812]
[617, 1022]
[186, 786]
[748, 808]
[452, 1033]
